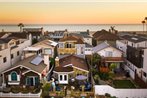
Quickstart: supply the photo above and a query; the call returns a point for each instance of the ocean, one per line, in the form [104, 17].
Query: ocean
[76, 27]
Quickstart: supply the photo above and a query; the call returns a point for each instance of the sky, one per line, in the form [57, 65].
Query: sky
[72, 11]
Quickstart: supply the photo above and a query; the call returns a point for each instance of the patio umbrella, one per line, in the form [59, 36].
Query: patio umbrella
[81, 77]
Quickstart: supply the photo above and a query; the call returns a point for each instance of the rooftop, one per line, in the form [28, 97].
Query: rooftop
[63, 69]
[27, 63]
[72, 38]
[46, 42]
[75, 61]
[100, 46]
[105, 35]
[134, 38]
[32, 49]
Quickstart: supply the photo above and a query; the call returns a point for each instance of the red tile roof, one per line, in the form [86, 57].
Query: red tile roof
[75, 61]
[63, 69]
[105, 35]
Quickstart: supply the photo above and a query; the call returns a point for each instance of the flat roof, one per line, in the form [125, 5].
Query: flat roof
[32, 49]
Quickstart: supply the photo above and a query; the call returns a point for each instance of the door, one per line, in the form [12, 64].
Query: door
[31, 81]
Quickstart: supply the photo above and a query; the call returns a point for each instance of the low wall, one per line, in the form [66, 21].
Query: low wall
[120, 93]
[20, 95]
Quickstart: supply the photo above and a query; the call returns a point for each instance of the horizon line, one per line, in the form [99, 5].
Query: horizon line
[72, 24]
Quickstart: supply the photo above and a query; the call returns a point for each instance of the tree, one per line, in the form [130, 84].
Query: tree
[96, 78]
[143, 22]
[21, 25]
[113, 66]
[96, 59]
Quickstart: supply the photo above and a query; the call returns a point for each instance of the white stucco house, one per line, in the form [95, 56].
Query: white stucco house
[109, 53]
[135, 48]
[11, 48]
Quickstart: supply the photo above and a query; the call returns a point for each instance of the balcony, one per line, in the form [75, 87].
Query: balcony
[67, 50]
[113, 59]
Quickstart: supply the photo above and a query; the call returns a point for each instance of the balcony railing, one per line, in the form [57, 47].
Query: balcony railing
[113, 59]
[67, 51]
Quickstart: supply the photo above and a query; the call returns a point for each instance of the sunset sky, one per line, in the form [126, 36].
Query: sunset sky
[72, 12]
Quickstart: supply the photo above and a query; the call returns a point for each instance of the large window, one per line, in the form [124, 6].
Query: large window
[32, 80]
[60, 77]
[108, 53]
[17, 53]
[47, 51]
[12, 56]
[144, 74]
[4, 60]
[65, 77]
[14, 76]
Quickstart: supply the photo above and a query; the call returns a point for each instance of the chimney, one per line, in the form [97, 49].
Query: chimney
[47, 61]
[88, 31]
[57, 61]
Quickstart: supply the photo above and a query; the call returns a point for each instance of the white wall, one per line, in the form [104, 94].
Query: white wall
[80, 48]
[7, 53]
[115, 52]
[20, 49]
[88, 51]
[122, 46]
[120, 93]
[88, 40]
[145, 60]
[140, 44]
[131, 72]
[63, 81]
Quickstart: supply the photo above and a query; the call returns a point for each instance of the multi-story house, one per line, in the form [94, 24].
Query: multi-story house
[57, 35]
[103, 35]
[71, 45]
[109, 54]
[86, 38]
[48, 47]
[136, 51]
[36, 33]
[11, 48]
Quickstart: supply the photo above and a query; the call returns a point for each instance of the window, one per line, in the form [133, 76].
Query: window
[108, 54]
[144, 74]
[4, 60]
[47, 51]
[17, 53]
[14, 76]
[12, 56]
[65, 77]
[68, 45]
[60, 77]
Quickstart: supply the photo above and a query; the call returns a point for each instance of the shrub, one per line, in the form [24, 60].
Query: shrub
[7, 90]
[25, 90]
[107, 95]
[16, 89]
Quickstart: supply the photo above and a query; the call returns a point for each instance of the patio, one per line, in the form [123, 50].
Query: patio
[74, 89]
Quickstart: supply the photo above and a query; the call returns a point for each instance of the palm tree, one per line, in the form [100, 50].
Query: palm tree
[20, 25]
[143, 22]
[146, 22]
[112, 29]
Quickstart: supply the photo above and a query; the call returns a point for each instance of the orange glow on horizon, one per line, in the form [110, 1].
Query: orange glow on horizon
[72, 13]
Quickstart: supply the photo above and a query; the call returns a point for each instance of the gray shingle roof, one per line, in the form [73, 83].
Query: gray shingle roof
[27, 62]
[134, 39]
[100, 46]
[88, 45]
